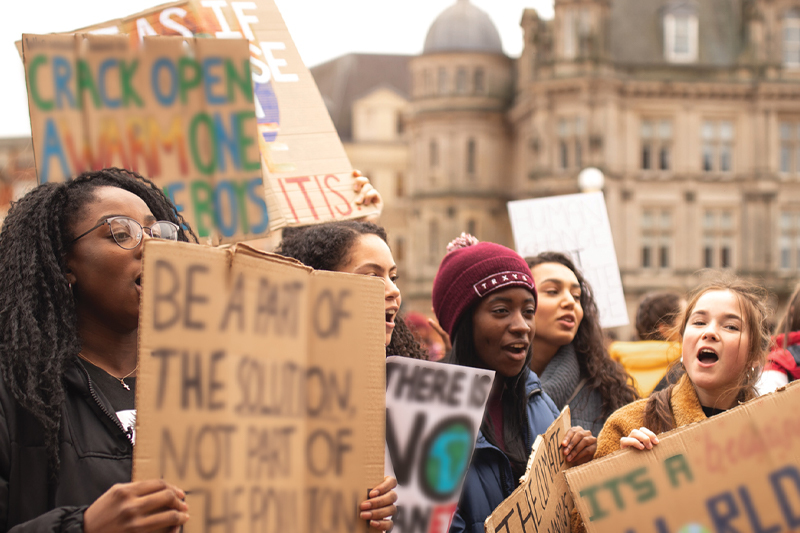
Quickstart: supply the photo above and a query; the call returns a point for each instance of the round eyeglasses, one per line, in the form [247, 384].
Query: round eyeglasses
[128, 233]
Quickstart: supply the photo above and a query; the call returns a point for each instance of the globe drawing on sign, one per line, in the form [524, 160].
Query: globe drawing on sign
[445, 457]
[270, 119]
[693, 528]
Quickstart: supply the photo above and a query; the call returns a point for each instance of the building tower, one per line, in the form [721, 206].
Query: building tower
[459, 142]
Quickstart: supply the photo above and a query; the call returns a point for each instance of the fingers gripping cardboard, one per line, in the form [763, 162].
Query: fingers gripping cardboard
[260, 388]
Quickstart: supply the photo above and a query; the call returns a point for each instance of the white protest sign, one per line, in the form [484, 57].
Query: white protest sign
[433, 414]
[577, 225]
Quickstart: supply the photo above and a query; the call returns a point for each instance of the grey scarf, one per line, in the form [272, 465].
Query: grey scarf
[559, 380]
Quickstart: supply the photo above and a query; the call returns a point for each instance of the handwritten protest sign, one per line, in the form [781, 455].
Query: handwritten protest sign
[738, 471]
[260, 388]
[307, 175]
[433, 414]
[577, 225]
[178, 110]
[542, 502]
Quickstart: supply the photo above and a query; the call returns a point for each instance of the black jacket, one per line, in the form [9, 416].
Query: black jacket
[95, 453]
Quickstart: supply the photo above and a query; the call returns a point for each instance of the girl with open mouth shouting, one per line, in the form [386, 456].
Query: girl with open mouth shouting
[485, 298]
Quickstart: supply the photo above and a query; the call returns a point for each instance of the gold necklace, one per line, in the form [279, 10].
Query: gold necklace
[121, 380]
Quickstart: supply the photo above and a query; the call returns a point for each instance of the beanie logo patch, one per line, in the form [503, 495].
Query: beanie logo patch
[502, 279]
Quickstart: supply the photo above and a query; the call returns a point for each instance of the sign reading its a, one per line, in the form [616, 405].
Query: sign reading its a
[738, 471]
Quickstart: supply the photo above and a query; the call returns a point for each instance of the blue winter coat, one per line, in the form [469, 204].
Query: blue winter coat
[489, 479]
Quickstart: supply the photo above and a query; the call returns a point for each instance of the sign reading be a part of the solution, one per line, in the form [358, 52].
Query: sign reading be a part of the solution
[433, 414]
[260, 388]
[736, 472]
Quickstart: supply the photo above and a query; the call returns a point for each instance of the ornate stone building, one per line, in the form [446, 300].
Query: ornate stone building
[690, 108]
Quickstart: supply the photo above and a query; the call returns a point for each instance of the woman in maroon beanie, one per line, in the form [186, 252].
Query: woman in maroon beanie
[484, 297]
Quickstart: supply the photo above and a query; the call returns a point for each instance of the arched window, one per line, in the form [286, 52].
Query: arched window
[680, 32]
[472, 227]
[480, 82]
[433, 242]
[461, 80]
[433, 153]
[442, 80]
[791, 39]
[471, 156]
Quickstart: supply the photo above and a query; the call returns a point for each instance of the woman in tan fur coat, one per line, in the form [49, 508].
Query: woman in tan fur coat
[724, 342]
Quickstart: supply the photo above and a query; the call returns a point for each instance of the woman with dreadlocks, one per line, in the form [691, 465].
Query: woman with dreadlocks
[70, 267]
[70, 270]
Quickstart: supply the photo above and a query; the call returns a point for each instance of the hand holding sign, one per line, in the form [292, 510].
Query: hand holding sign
[380, 505]
[578, 446]
[139, 506]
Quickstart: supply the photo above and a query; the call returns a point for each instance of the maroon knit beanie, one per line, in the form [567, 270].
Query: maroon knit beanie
[470, 271]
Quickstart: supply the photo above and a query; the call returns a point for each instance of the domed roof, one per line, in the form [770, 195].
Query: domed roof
[463, 27]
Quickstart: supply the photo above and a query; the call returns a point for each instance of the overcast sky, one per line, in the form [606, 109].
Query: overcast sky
[321, 29]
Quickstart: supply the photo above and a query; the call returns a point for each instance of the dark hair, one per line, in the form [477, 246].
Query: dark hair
[327, 247]
[655, 310]
[752, 299]
[790, 321]
[605, 375]
[38, 322]
[513, 399]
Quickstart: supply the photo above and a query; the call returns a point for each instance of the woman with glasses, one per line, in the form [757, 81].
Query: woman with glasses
[70, 272]
[70, 268]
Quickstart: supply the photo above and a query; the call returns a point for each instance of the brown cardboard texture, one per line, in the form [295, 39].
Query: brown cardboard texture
[542, 502]
[261, 388]
[736, 472]
[307, 175]
[177, 110]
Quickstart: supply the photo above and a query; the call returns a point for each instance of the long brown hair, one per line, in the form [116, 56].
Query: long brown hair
[752, 300]
[790, 321]
[605, 375]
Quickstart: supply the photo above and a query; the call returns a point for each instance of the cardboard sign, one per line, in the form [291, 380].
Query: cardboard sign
[576, 225]
[433, 414]
[738, 471]
[307, 175]
[260, 388]
[542, 503]
[178, 110]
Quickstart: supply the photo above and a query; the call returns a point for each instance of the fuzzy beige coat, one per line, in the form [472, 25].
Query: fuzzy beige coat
[685, 407]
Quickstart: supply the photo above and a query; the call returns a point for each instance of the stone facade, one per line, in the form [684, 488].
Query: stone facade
[690, 108]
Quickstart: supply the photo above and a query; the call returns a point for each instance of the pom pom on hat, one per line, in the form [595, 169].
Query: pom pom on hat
[462, 242]
[470, 271]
